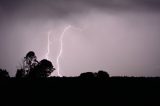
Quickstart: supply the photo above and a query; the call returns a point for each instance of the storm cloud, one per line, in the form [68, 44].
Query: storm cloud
[119, 36]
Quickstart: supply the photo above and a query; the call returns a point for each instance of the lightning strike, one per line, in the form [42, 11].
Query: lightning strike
[61, 48]
[48, 46]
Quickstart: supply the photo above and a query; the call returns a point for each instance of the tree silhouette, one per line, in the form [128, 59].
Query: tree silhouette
[88, 75]
[43, 69]
[20, 73]
[102, 74]
[4, 74]
[30, 61]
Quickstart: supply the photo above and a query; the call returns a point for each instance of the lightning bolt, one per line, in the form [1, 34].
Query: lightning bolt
[48, 45]
[61, 48]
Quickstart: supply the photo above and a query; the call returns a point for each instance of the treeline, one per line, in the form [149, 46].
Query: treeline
[32, 68]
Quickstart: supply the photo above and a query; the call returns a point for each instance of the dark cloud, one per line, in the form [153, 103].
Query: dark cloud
[65, 8]
[125, 4]
[115, 34]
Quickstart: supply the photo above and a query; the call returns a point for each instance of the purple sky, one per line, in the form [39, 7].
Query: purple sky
[121, 37]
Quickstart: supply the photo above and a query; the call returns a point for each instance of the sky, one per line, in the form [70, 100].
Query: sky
[121, 37]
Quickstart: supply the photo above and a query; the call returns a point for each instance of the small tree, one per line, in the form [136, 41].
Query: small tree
[88, 75]
[102, 74]
[30, 61]
[4, 74]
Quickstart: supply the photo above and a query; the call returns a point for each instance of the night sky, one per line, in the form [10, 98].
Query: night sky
[121, 37]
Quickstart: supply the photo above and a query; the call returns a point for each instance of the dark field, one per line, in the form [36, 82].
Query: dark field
[81, 90]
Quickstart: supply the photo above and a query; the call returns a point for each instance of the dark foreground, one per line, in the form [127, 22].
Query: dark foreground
[75, 90]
